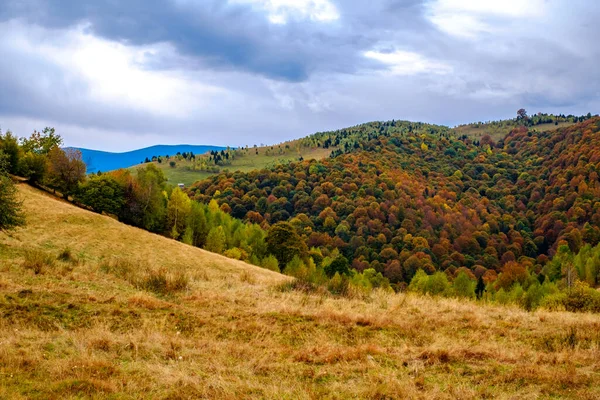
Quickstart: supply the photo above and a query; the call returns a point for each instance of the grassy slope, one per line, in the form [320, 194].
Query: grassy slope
[249, 162]
[74, 331]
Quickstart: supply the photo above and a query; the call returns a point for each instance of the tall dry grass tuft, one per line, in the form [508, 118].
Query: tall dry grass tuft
[37, 261]
[162, 282]
[66, 255]
[159, 281]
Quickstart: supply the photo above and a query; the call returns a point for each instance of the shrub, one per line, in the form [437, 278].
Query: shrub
[339, 265]
[338, 285]
[436, 284]
[533, 297]
[554, 302]
[582, 298]
[502, 296]
[270, 262]
[234, 253]
[419, 282]
[296, 268]
[516, 294]
[464, 286]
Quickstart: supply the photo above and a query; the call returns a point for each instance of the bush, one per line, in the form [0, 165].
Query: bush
[582, 298]
[270, 262]
[537, 294]
[37, 261]
[158, 281]
[464, 286]
[339, 265]
[338, 285]
[436, 284]
[502, 297]
[11, 214]
[234, 253]
[296, 268]
[554, 302]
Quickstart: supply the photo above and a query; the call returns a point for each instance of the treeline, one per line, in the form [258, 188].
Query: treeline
[567, 283]
[529, 120]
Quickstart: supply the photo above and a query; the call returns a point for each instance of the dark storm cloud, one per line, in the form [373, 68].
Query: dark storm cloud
[280, 81]
[223, 34]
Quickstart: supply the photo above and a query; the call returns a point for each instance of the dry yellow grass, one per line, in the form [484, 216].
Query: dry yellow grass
[76, 331]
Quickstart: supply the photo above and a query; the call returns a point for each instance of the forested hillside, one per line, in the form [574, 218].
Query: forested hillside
[401, 197]
[397, 204]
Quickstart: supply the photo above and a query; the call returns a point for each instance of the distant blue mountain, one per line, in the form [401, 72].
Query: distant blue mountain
[97, 160]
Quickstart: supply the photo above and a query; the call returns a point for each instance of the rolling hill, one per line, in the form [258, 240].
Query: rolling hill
[190, 170]
[401, 196]
[322, 145]
[103, 161]
[91, 308]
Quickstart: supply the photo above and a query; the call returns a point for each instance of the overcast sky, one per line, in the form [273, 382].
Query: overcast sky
[119, 75]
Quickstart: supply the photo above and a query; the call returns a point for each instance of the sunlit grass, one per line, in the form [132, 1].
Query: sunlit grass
[90, 329]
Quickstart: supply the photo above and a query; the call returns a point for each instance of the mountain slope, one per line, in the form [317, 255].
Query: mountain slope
[77, 329]
[399, 197]
[103, 161]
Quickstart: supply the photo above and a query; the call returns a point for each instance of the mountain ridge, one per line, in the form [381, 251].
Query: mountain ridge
[99, 160]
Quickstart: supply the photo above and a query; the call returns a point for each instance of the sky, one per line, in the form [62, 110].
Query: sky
[117, 76]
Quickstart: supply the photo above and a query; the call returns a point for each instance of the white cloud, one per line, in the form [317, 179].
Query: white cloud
[113, 72]
[408, 63]
[468, 18]
[280, 11]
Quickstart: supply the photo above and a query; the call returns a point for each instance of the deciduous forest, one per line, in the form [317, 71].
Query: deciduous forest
[401, 205]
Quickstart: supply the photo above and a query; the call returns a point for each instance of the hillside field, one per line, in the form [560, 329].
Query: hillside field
[253, 159]
[84, 326]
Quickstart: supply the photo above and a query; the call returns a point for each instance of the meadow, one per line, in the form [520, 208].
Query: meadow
[186, 171]
[92, 308]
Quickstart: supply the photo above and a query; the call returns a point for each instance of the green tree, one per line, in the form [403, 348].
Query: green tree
[339, 265]
[464, 286]
[197, 224]
[149, 188]
[284, 243]
[10, 146]
[103, 193]
[33, 166]
[270, 262]
[178, 210]
[216, 240]
[10, 207]
[41, 143]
